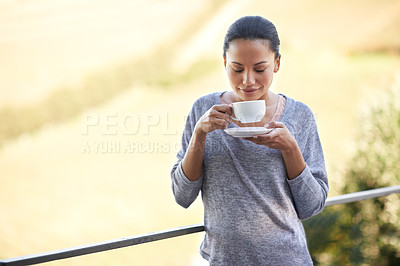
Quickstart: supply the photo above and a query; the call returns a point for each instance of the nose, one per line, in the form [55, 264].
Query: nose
[248, 78]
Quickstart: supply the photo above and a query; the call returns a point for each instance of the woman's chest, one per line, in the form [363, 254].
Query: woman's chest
[225, 155]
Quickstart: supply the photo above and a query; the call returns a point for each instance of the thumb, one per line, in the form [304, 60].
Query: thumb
[274, 124]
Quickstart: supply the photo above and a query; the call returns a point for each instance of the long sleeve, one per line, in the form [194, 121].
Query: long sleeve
[185, 191]
[310, 188]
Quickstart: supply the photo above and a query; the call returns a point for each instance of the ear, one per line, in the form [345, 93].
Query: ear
[277, 63]
[224, 61]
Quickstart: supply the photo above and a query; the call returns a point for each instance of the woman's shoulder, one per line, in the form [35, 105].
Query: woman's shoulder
[299, 117]
[207, 101]
[298, 109]
[209, 98]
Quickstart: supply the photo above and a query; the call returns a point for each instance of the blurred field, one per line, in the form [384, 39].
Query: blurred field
[48, 43]
[102, 171]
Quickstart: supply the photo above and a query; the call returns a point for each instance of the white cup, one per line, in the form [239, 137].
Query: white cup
[249, 111]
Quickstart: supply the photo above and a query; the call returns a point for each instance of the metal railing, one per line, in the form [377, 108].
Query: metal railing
[169, 233]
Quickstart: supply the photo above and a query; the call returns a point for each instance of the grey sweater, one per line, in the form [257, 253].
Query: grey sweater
[252, 211]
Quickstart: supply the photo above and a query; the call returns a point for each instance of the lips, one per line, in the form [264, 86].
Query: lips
[249, 90]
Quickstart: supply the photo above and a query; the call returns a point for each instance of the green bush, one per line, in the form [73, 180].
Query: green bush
[366, 232]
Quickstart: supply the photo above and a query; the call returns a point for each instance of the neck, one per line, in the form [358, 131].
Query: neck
[270, 98]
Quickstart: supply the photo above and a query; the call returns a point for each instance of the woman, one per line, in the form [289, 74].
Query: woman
[255, 190]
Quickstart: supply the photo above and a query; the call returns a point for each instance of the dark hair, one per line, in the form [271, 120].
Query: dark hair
[253, 28]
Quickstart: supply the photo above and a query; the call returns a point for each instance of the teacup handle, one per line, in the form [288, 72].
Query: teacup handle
[231, 105]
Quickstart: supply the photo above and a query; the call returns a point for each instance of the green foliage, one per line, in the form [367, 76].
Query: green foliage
[376, 164]
[366, 232]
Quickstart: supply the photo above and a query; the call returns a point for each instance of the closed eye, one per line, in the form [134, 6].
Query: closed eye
[260, 70]
[238, 71]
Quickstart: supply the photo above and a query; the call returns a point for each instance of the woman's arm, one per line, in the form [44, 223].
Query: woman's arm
[294, 160]
[215, 118]
[187, 172]
[192, 163]
[281, 139]
[306, 172]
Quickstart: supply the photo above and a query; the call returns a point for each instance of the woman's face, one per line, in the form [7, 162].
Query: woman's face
[250, 65]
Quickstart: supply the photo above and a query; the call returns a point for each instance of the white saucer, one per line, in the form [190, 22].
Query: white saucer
[246, 132]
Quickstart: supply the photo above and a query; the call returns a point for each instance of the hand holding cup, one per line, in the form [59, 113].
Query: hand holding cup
[217, 117]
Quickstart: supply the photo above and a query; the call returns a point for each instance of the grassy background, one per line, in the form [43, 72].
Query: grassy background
[93, 99]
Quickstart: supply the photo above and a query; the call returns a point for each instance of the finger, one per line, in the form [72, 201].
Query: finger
[275, 124]
[265, 136]
[224, 108]
[270, 135]
[219, 115]
[255, 141]
[219, 127]
[220, 122]
[262, 139]
[259, 137]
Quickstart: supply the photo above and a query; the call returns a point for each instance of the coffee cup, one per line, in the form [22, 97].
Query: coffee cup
[249, 111]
